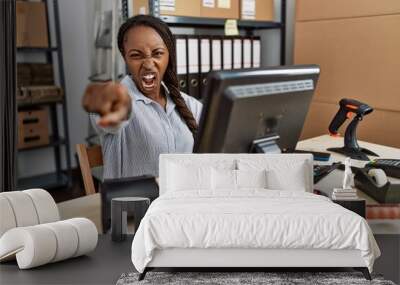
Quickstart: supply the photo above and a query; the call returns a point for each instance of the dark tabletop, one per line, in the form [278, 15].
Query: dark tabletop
[104, 265]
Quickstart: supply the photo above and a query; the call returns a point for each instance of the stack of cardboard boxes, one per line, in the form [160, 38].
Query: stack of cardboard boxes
[34, 74]
[31, 24]
[33, 127]
[357, 44]
[35, 81]
[259, 10]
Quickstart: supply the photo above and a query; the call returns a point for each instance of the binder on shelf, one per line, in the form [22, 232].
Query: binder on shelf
[205, 60]
[216, 53]
[181, 62]
[256, 53]
[247, 53]
[237, 53]
[193, 66]
[227, 53]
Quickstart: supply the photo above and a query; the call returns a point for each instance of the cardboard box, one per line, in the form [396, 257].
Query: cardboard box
[309, 10]
[31, 24]
[380, 126]
[140, 7]
[33, 128]
[228, 9]
[24, 74]
[34, 74]
[224, 9]
[359, 58]
[42, 74]
[169, 7]
[28, 95]
[258, 10]
[180, 8]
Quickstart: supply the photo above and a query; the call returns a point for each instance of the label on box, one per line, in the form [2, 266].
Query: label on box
[209, 3]
[248, 9]
[226, 4]
[231, 28]
[142, 10]
[167, 5]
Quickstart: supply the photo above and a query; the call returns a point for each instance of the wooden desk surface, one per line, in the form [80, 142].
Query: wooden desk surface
[321, 143]
[334, 180]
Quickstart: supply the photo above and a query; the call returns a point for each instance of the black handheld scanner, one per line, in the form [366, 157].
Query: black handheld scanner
[348, 107]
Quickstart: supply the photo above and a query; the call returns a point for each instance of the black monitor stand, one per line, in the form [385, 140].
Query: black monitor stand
[267, 144]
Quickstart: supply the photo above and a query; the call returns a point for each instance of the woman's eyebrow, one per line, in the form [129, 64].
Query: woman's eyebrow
[159, 47]
[140, 51]
[133, 49]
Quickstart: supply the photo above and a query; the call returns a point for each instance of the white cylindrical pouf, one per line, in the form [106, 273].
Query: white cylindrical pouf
[7, 218]
[67, 239]
[37, 245]
[23, 208]
[45, 205]
[34, 246]
[87, 234]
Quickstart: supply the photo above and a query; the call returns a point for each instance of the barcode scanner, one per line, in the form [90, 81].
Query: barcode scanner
[350, 108]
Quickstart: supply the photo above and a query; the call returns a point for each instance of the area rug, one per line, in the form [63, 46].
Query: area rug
[243, 278]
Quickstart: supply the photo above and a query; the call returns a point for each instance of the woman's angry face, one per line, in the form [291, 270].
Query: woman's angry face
[147, 58]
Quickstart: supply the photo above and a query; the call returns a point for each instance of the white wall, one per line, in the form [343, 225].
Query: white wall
[77, 18]
[77, 23]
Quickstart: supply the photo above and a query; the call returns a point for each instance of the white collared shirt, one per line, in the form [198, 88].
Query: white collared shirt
[133, 148]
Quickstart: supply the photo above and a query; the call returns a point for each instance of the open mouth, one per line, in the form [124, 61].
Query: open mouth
[149, 80]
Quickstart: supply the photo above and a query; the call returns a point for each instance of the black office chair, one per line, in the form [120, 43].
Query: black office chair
[91, 164]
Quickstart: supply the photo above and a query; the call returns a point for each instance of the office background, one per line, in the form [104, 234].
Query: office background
[77, 30]
[361, 40]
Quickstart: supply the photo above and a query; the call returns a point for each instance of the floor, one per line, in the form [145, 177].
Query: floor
[102, 266]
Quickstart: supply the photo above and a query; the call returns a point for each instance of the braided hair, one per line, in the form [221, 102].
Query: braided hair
[170, 77]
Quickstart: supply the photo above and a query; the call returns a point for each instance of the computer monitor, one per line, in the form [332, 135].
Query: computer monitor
[246, 110]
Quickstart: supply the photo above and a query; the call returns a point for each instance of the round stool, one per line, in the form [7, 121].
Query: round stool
[120, 207]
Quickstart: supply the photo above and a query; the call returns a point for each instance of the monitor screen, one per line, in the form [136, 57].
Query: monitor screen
[244, 106]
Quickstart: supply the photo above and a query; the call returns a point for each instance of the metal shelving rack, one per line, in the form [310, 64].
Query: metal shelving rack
[59, 178]
[213, 23]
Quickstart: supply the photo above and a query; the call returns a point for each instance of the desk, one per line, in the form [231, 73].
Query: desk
[334, 179]
[386, 232]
